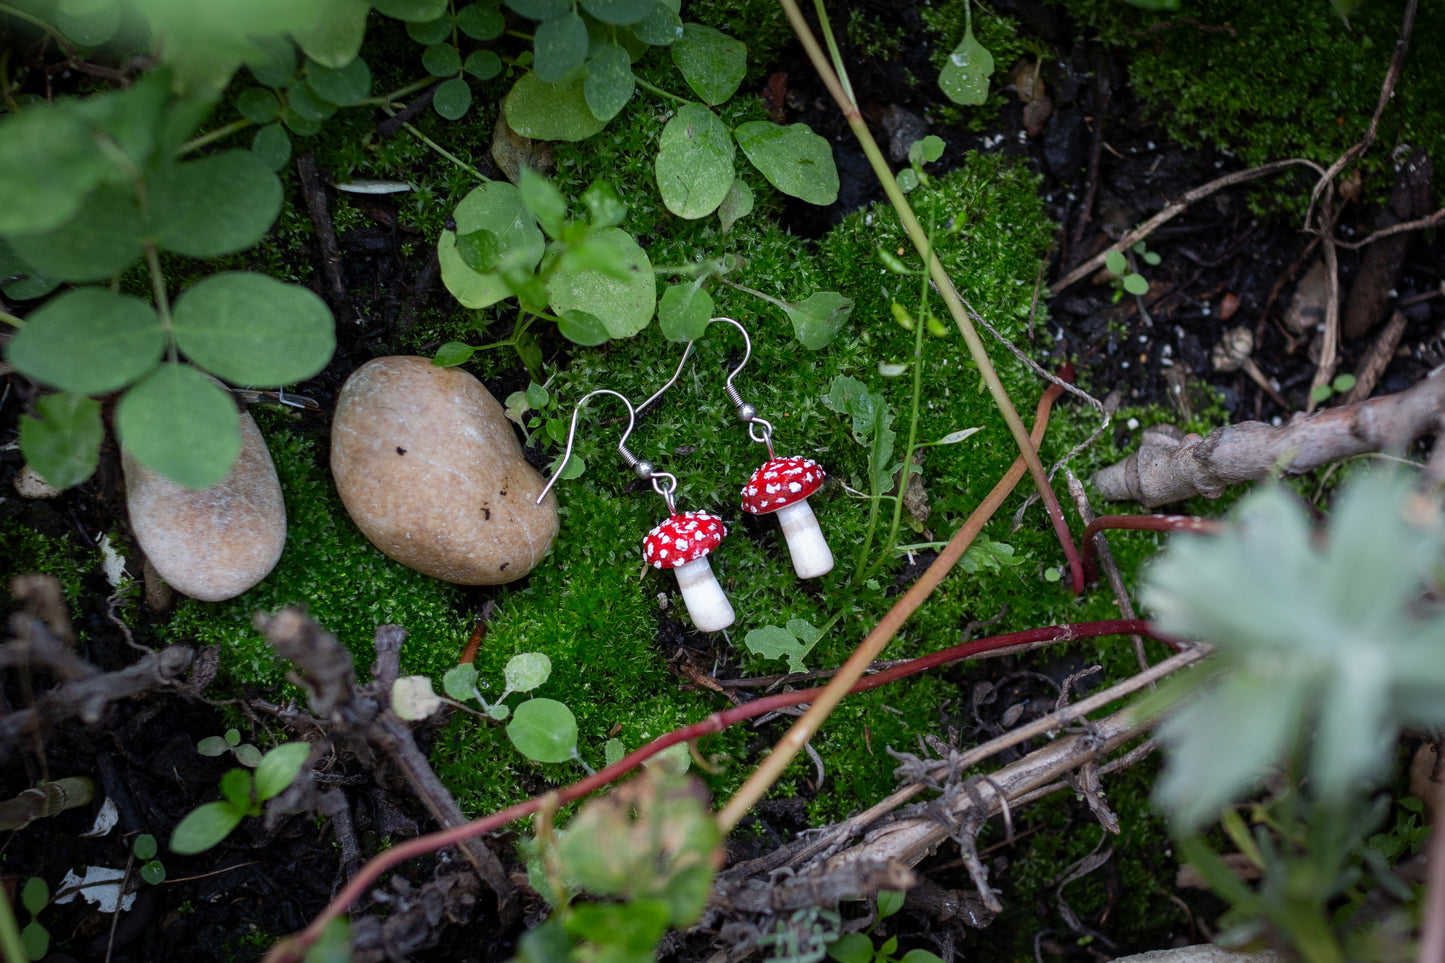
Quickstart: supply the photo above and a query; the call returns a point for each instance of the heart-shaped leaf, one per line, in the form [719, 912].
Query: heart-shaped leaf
[965, 77]
[711, 62]
[543, 111]
[684, 311]
[609, 84]
[694, 165]
[63, 444]
[251, 329]
[794, 159]
[560, 45]
[182, 424]
[624, 304]
[544, 730]
[817, 319]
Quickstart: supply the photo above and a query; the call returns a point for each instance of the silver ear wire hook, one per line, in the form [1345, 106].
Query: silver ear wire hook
[664, 483]
[760, 430]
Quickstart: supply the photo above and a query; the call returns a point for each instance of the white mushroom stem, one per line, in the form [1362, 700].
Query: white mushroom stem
[811, 555]
[709, 607]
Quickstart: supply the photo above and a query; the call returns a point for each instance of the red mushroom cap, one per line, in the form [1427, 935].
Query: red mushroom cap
[780, 482]
[683, 538]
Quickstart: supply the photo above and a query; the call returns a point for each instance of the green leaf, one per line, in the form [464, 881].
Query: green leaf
[1343, 383]
[931, 148]
[101, 241]
[804, 630]
[412, 698]
[852, 948]
[544, 730]
[233, 736]
[547, 943]
[684, 311]
[544, 111]
[1136, 284]
[345, 86]
[629, 930]
[334, 945]
[560, 45]
[431, 31]
[495, 206]
[661, 27]
[236, 786]
[604, 207]
[890, 901]
[145, 846]
[412, 10]
[526, 671]
[624, 305]
[613, 752]
[1116, 263]
[618, 12]
[452, 98]
[481, 22]
[737, 205]
[213, 746]
[794, 159]
[18, 280]
[273, 145]
[299, 125]
[308, 104]
[543, 199]
[248, 755]
[537, 396]
[482, 64]
[153, 872]
[441, 60]
[35, 895]
[251, 329]
[460, 682]
[333, 38]
[275, 67]
[258, 105]
[872, 421]
[88, 23]
[772, 642]
[180, 423]
[279, 768]
[582, 328]
[965, 77]
[214, 206]
[51, 163]
[609, 84]
[694, 165]
[35, 939]
[204, 827]
[88, 340]
[540, 9]
[818, 318]
[453, 353]
[63, 445]
[711, 62]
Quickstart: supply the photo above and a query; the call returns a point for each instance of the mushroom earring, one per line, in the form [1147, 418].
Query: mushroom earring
[782, 485]
[682, 542]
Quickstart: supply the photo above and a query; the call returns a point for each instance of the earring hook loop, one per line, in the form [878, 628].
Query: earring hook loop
[664, 483]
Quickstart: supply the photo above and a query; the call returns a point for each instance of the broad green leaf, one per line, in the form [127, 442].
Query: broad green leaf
[63, 444]
[100, 242]
[204, 827]
[1116, 263]
[661, 27]
[145, 846]
[460, 682]
[279, 768]
[276, 66]
[544, 111]
[411, 10]
[18, 280]
[481, 22]
[273, 145]
[629, 930]
[308, 104]
[452, 354]
[213, 206]
[153, 872]
[737, 205]
[495, 206]
[252, 329]
[441, 60]
[35, 940]
[35, 894]
[180, 423]
[481, 251]
[88, 23]
[684, 311]
[613, 752]
[694, 165]
[965, 77]
[852, 948]
[537, 396]
[582, 328]
[890, 901]
[609, 84]
[248, 755]
[430, 32]
[333, 38]
[540, 9]
[604, 207]
[345, 86]
[1136, 284]
[543, 730]
[526, 671]
[804, 630]
[213, 746]
[711, 62]
[88, 340]
[773, 642]
[412, 698]
[299, 125]
[794, 159]
[560, 45]
[817, 319]
[619, 12]
[483, 64]
[452, 98]
[543, 199]
[204, 47]
[236, 786]
[258, 105]
[50, 162]
[624, 305]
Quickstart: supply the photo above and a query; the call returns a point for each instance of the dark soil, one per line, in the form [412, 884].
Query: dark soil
[263, 881]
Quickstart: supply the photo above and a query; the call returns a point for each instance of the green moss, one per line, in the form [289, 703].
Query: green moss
[998, 34]
[29, 551]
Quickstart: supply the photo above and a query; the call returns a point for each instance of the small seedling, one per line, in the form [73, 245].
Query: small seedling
[921, 152]
[145, 848]
[1341, 385]
[246, 754]
[1128, 280]
[859, 948]
[35, 896]
[242, 795]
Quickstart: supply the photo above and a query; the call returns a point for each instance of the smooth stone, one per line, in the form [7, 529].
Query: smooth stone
[211, 543]
[431, 472]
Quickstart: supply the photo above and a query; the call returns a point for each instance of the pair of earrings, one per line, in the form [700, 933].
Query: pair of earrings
[682, 543]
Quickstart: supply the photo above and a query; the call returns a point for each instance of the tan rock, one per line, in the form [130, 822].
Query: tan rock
[429, 469]
[211, 543]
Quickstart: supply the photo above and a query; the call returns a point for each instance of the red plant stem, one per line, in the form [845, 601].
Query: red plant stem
[293, 948]
[1150, 523]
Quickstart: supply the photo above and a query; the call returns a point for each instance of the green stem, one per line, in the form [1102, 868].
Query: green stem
[29, 18]
[163, 303]
[7, 318]
[196, 143]
[781, 305]
[659, 91]
[434, 145]
[942, 281]
[397, 94]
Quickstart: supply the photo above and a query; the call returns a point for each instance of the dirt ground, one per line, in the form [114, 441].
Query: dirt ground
[1105, 165]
